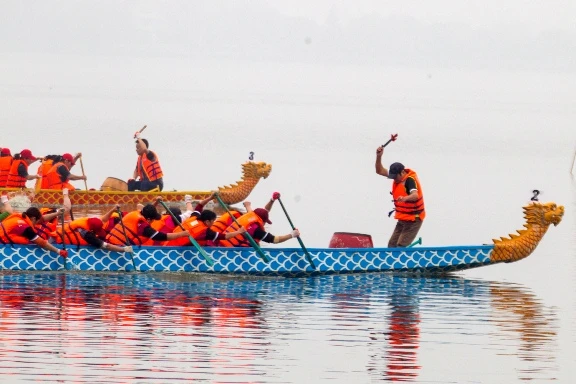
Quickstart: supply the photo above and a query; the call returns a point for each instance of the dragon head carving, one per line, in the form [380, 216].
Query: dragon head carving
[543, 214]
[538, 217]
[256, 170]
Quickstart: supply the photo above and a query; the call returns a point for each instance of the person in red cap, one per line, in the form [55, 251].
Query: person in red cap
[59, 175]
[408, 201]
[18, 228]
[5, 164]
[18, 174]
[89, 231]
[254, 223]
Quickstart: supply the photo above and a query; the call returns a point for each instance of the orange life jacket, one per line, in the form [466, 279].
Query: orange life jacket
[224, 221]
[43, 170]
[45, 229]
[131, 222]
[196, 228]
[7, 226]
[5, 164]
[73, 232]
[15, 180]
[408, 211]
[53, 180]
[149, 170]
[112, 221]
[246, 220]
[165, 224]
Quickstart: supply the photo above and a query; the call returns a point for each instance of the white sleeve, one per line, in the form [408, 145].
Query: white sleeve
[186, 215]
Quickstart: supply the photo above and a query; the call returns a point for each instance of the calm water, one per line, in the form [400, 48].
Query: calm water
[375, 327]
[480, 141]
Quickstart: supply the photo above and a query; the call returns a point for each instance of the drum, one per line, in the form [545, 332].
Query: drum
[350, 240]
[114, 184]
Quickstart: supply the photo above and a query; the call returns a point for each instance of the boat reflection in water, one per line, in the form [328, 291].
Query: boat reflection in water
[118, 327]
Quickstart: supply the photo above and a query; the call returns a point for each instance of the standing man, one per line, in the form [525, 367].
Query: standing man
[148, 168]
[408, 201]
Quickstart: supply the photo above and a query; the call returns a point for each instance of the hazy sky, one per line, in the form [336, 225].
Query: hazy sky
[512, 34]
[537, 14]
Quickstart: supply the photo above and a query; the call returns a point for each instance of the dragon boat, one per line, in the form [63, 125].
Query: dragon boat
[294, 261]
[252, 172]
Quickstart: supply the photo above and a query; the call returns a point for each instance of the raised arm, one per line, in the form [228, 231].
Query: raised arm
[208, 199]
[379, 167]
[270, 203]
[107, 215]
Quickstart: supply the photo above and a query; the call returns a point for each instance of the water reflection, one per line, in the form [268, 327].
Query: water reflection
[168, 327]
[520, 315]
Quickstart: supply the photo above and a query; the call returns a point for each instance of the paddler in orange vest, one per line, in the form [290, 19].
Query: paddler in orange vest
[138, 229]
[18, 174]
[47, 163]
[226, 220]
[5, 164]
[59, 175]
[167, 224]
[254, 222]
[88, 231]
[408, 201]
[199, 226]
[18, 228]
[147, 169]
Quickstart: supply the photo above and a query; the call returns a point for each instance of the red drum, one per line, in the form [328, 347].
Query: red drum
[350, 240]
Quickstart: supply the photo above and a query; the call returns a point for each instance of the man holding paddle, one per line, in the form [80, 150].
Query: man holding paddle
[59, 176]
[408, 201]
[147, 169]
[254, 223]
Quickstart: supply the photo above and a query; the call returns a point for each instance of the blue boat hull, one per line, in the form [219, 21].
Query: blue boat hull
[245, 261]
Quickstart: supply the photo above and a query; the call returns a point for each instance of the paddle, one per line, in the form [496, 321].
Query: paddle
[192, 240]
[308, 257]
[419, 241]
[573, 162]
[63, 241]
[141, 130]
[246, 235]
[126, 236]
[38, 186]
[83, 174]
[392, 138]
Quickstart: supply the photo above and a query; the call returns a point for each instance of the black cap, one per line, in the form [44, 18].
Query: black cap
[145, 142]
[394, 170]
[149, 212]
[175, 211]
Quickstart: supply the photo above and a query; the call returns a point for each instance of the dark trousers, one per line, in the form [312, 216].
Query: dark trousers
[145, 185]
[404, 233]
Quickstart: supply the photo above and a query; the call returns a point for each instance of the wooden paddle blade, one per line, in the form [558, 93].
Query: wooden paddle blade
[37, 186]
[83, 173]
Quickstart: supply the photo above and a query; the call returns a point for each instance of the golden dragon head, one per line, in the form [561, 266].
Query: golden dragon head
[254, 170]
[543, 214]
[538, 217]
